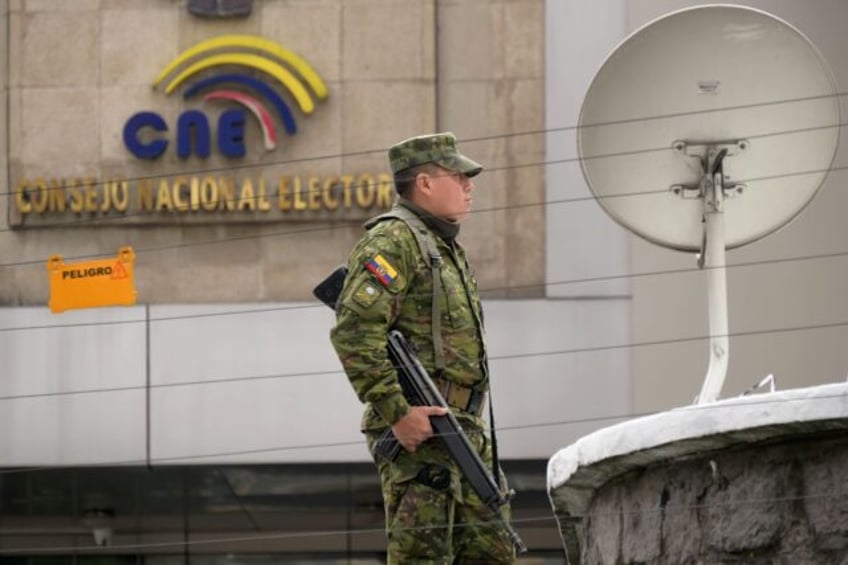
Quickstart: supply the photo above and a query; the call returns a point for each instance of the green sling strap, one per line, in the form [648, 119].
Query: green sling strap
[428, 250]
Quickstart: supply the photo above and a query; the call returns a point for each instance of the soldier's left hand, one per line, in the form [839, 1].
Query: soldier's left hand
[414, 427]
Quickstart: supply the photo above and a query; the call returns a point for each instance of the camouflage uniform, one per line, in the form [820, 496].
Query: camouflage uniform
[432, 515]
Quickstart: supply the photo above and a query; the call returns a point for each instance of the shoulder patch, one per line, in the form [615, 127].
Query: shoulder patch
[382, 269]
[367, 294]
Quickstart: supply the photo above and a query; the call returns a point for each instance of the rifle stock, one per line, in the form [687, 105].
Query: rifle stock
[419, 390]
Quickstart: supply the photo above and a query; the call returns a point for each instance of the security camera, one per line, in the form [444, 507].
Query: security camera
[102, 536]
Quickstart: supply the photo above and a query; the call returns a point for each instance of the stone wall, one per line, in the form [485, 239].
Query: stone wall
[755, 504]
[756, 479]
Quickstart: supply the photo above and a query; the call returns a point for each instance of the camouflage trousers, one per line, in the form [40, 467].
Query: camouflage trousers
[433, 514]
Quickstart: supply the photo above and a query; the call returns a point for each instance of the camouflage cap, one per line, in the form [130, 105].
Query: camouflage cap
[438, 148]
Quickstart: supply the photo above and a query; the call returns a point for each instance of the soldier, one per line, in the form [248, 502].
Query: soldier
[409, 273]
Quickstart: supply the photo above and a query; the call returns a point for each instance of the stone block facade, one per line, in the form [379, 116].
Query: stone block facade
[77, 71]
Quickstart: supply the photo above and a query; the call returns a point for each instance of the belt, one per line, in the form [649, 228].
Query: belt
[462, 397]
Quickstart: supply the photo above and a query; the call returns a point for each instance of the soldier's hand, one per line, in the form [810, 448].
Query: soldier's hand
[414, 428]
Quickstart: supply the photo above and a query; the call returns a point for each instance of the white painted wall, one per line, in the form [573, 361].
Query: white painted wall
[582, 242]
[42, 422]
[261, 383]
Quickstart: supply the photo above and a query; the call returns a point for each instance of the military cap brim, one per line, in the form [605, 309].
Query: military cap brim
[438, 148]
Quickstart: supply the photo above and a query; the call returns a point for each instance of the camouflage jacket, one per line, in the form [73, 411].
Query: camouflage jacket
[389, 286]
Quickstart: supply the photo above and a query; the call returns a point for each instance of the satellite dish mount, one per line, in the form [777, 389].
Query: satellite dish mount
[713, 189]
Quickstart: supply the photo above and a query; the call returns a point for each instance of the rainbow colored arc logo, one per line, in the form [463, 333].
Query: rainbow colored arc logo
[199, 69]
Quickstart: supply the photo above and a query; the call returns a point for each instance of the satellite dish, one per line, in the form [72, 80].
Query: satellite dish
[707, 129]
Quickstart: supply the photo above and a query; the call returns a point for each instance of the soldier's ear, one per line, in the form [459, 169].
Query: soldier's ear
[423, 183]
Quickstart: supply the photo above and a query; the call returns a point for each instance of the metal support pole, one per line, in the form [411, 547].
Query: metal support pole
[714, 261]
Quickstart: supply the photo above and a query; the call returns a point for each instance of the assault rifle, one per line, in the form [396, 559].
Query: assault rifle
[419, 390]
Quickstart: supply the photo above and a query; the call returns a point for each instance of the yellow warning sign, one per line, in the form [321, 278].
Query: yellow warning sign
[90, 284]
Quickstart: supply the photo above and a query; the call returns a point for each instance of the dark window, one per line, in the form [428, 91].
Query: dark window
[220, 8]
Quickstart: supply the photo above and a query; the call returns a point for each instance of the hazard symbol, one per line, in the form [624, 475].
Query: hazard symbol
[118, 271]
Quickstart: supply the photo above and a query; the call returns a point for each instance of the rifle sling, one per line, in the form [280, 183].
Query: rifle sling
[428, 248]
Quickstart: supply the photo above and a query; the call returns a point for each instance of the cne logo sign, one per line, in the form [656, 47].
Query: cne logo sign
[146, 134]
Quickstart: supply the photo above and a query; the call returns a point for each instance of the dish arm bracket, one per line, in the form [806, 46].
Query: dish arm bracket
[713, 190]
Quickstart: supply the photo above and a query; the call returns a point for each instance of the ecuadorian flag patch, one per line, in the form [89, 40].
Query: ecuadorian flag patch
[382, 269]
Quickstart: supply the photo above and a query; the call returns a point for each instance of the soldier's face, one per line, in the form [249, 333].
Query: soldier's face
[448, 194]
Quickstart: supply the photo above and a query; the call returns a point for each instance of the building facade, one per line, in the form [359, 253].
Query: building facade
[211, 418]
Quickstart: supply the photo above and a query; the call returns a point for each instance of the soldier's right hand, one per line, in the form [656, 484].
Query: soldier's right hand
[414, 427]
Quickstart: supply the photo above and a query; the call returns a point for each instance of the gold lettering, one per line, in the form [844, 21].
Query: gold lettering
[179, 191]
[75, 197]
[90, 188]
[284, 194]
[195, 194]
[299, 202]
[347, 181]
[247, 200]
[22, 197]
[56, 195]
[209, 194]
[182, 193]
[314, 193]
[107, 190]
[331, 202]
[38, 198]
[385, 191]
[120, 195]
[163, 197]
[365, 191]
[145, 194]
[263, 203]
[227, 190]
